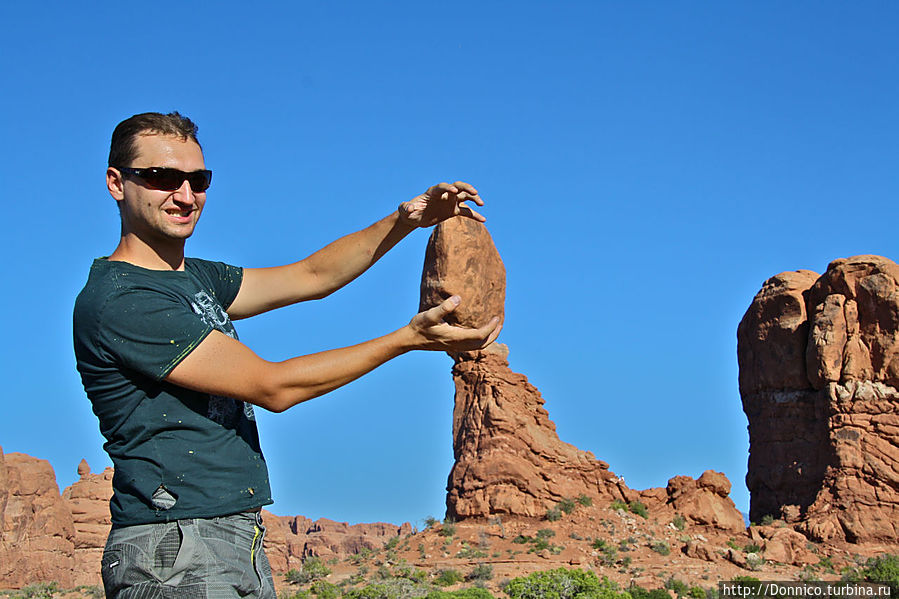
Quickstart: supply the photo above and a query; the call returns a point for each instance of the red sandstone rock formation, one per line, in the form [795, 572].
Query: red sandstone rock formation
[461, 260]
[88, 502]
[819, 378]
[509, 459]
[51, 537]
[37, 532]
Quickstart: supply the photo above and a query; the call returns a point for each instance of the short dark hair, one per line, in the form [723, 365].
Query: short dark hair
[123, 149]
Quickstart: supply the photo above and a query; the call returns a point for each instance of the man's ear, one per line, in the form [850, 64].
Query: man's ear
[115, 184]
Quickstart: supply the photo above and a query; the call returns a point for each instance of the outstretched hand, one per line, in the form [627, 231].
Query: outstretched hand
[439, 203]
[433, 332]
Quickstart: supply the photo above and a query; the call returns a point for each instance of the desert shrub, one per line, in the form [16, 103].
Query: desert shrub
[567, 505]
[393, 542]
[584, 500]
[752, 548]
[473, 593]
[767, 520]
[398, 588]
[618, 505]
[480, 572]
[660, 547]
[754, 561]
[609, 555]
[679, 522]
[883, 568]
[678, 586]
[545, 533]
[641, 593]
[430, 521]
[313, 569]
[447, 577]
[325, 590]
[521, 539]
[554, 514]
[449, 528]
[39, 590]
[563, 584]
[638, 508]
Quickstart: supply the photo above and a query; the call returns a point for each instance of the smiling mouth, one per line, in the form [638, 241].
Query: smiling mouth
[180, 213]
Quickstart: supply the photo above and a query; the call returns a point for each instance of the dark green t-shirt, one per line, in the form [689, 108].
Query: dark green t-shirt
[177, 453]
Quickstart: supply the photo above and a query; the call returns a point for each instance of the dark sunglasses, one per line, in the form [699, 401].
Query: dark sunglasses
[170, 179]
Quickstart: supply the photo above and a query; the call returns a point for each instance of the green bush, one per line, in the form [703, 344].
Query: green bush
[564, 584]
[767, 520]
[480, 572]
[39, 590]
[679, 522]
[638, 508]
[554, 514]
[473, 593]
[398, 588]
[521, 539]
[545, 533]
[313, 569]
[584, 500]
[567, 505]
[678, 586]
[447, 577]
[660, 547]
[325, 590]
[696, 592]
[449, 528]
[883, 568]
[618, 505]
[641, 593]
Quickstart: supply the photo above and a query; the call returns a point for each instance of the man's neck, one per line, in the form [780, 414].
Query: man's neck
[132, 249]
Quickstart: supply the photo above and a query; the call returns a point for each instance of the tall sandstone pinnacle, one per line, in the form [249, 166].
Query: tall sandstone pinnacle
[509, 459]
[819, 380]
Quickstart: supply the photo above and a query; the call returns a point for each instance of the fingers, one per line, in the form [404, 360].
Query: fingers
[467, 192]
[469, 213]
[461, 190]
[490, 331]
[435, 315]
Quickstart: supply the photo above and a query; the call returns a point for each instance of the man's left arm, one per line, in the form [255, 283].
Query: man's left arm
[341, 261]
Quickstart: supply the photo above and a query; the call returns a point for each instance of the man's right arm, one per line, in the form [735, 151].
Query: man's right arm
[221, 365]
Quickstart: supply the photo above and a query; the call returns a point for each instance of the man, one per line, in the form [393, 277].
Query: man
[174, 389]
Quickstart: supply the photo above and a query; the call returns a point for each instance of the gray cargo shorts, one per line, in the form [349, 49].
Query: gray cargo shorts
[202, 558]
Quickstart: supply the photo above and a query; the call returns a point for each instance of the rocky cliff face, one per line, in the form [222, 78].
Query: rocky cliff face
[48, 536]
[819, 379]
[37, 533]
[509, 459]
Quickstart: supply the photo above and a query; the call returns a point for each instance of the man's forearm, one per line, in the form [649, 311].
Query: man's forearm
[305, 377]
[343, 260]
[319, 275]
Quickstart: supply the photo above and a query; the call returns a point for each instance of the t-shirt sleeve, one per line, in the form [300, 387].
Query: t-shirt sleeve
[222, 279]
[149, 331]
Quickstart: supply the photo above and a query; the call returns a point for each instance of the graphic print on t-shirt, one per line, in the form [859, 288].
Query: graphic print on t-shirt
[223, 410]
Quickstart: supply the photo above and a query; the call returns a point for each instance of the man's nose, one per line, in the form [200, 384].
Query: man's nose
[185, 194]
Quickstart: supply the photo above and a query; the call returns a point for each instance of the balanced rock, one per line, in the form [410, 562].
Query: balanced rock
[462, 260]
[508, 457]
[819, 380]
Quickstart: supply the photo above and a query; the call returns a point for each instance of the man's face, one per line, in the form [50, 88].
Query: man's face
[155, 215]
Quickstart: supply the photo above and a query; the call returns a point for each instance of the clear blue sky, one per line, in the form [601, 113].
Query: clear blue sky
[646, 166]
